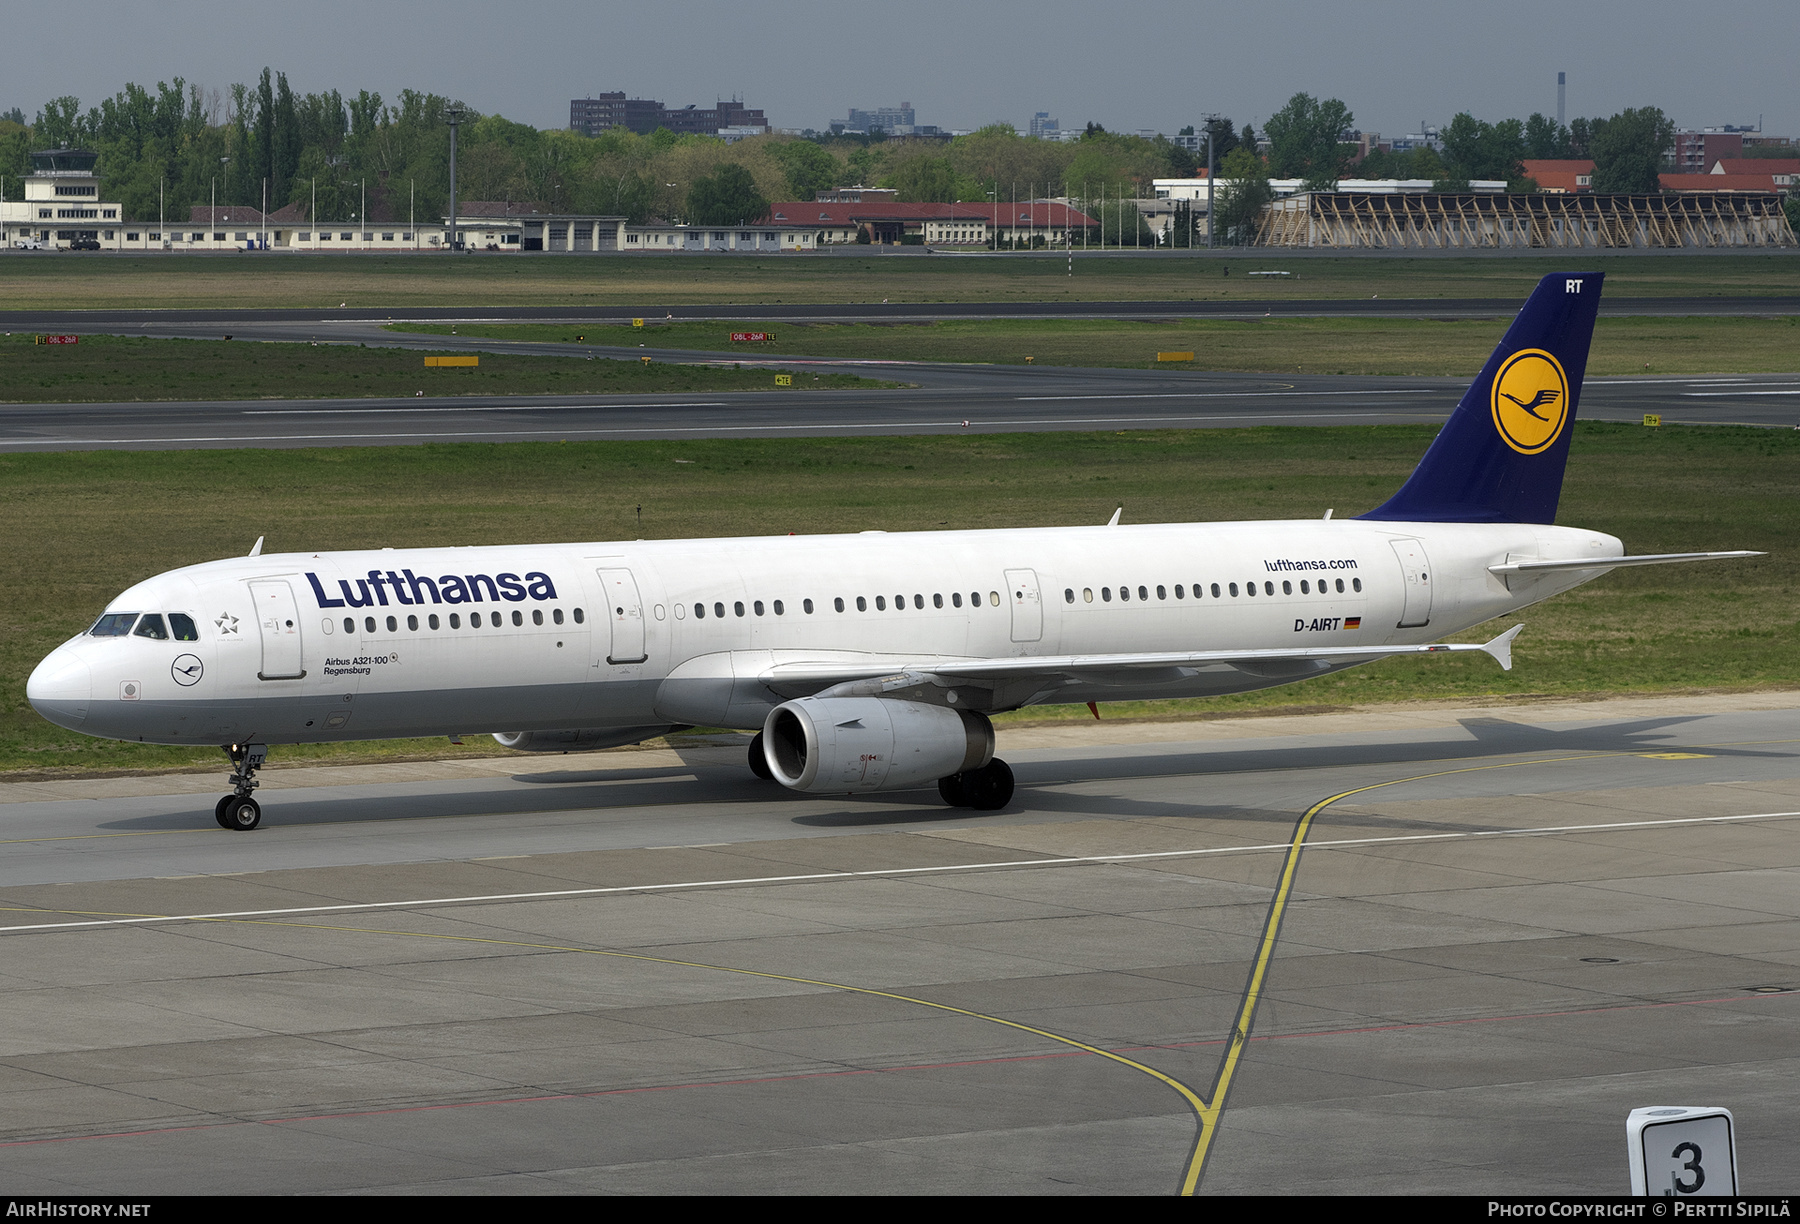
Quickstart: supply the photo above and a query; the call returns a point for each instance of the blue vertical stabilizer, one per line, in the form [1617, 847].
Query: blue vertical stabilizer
[1500, 456]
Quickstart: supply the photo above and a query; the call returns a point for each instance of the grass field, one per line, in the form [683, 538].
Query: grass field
[123, 368]
[83, 525]
[1319, 346]
[35, 280]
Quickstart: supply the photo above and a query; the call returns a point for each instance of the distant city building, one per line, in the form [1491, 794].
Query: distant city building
[1698, 148]
[1044, 127]
[894, 120]
[604, 112]
[1427, 137]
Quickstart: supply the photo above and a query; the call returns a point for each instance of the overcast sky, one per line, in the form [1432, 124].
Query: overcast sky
[1153, 64]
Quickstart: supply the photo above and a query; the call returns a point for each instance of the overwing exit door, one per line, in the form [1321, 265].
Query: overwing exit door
[1027, 605]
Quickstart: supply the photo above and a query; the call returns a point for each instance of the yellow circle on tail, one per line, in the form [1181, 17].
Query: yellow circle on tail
[1531, 400]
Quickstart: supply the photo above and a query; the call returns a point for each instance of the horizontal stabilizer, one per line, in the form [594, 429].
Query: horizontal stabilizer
[1599, 563]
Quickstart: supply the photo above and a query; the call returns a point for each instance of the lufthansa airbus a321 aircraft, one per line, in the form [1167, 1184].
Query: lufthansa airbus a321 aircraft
[865, 662]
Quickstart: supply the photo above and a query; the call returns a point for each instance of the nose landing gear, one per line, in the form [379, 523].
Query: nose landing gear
[238, 810]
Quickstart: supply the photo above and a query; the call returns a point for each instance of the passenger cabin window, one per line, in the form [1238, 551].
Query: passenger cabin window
[455, 620]
[183, 627]
[1287, 588]
[350, 624]
[114, 624]
[880, 603]
[1355, 582]
[1215, 590]
[369, 624]
[956, 599]
[862, 605]
[580, 616]
[412, 623]
[806, 606]
[151, 626]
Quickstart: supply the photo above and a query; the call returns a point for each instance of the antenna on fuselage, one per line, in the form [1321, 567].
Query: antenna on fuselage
[1328, 514]
[256, 548]
[1114, 520]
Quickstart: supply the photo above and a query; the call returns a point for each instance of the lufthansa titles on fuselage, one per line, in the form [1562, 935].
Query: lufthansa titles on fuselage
[410, 590]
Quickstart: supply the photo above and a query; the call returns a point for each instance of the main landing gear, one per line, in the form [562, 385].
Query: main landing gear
[238, 810]
[759, 764]
[987, 789]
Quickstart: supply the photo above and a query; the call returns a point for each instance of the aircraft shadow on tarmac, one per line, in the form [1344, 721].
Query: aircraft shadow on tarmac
[709, 779]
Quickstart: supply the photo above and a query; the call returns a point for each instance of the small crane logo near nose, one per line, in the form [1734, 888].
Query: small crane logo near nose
[187, 670]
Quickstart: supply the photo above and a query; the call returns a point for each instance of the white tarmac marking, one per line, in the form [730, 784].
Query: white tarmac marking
[460, 408]
[1025, 399]
[237, 915]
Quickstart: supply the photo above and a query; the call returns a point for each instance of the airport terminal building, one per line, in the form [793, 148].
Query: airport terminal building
[62, 205]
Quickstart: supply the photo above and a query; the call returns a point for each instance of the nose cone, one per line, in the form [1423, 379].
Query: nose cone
[61, 688]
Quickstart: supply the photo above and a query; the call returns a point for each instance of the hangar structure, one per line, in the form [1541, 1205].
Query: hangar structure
[1463, 220]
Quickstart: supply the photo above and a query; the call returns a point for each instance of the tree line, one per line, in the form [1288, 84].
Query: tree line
[166, 148]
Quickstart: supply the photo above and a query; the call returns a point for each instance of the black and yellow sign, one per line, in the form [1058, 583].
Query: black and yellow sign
[1531, 400]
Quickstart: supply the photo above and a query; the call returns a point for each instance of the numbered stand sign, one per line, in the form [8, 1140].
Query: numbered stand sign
[1682, 1152]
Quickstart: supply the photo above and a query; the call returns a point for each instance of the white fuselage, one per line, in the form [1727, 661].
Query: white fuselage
[629, 639]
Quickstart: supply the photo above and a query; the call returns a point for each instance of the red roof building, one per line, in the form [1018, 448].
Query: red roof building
[1560, 174]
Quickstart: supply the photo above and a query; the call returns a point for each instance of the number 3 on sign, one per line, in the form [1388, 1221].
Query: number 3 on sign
[1682, 1152]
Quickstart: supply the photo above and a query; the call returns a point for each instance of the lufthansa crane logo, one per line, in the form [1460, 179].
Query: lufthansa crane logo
[1531, 400]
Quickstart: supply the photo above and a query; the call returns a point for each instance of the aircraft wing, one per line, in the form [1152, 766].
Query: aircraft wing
[900, 672]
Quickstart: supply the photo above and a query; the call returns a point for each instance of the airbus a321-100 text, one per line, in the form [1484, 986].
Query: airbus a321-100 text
[864, 662]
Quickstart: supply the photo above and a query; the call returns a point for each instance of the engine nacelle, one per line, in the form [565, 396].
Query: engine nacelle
[838, 745]
[579, 739]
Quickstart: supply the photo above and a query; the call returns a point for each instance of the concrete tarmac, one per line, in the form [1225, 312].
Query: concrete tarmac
[644, 972]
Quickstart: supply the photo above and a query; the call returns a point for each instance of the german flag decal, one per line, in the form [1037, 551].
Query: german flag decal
[1353, 622]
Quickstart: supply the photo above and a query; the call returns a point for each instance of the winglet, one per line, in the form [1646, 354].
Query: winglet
[1501, 647]
[256, 548]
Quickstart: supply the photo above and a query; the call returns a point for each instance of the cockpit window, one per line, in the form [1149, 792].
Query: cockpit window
[114, 624]
[151, 626]
[181, 625]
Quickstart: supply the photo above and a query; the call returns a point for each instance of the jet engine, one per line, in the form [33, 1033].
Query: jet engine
[579, 739]
[838, 745]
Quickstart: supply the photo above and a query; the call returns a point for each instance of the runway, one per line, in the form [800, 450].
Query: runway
[210, 319]
[962, 399]
[643, 972]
